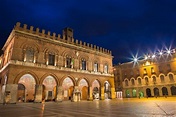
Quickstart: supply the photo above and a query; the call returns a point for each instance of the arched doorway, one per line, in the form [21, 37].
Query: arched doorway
[134, 93]
[83, 87]
[49, 88]
[96, 91]
[148, 92]
[164, 91]
[173, 90]
[29, 83]
[68, 87]
[156, 92]
[21, 93]
[141, 94]
[127, 93]
[107, 90]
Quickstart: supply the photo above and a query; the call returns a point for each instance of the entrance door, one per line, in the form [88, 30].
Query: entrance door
[21, 93]
[156, 92]
[84, 93]
[164, 91]
[148, 92]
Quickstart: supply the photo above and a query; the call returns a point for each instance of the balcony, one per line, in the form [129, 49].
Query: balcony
[39, 65]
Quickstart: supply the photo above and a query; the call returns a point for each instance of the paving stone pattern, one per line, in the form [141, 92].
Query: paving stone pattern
[154, 107]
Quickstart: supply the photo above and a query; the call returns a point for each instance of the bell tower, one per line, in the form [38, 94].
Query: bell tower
[68, 33]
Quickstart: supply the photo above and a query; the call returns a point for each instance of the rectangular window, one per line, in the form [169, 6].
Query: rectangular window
[96, 67]
[68, 62]
[29, 55]
[51, 59]
[106, 69]
[83, 65]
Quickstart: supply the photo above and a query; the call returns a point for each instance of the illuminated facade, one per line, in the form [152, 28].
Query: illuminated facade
[150, 77]
[36, 66]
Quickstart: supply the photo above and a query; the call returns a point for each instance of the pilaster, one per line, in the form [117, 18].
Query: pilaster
[38, 93]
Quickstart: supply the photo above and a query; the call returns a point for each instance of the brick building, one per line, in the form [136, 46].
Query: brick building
[36, 66]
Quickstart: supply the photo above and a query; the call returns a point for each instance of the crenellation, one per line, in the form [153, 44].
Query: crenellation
[49, 34]
[25, 26]
[18, 25]
[58, 37]
[84, 44]
[43, 32]
[37, 30]
[88, 45]
[66, 39]
[91, 46]
[80, 43]
[76, 42]
[54, 36]
[94, 47]
[31, 28]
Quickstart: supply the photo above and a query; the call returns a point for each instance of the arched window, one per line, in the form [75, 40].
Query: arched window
[96, 67]
[171, 78]
[154, 79]
[146, 80]
[162, 78]
[51, 59]
[29, 55]
[132, 82]
[105, 68]
[69, 62]
[83, 62]
[139, 81]
[126, 82]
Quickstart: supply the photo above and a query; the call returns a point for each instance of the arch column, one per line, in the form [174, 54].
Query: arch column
[102, 97]
[124, 93]
[152, 92]
[59, 97]
[76, 94]
[169, 91]
[38, 93]
[160, 91]
[90, 98]
[112, 92]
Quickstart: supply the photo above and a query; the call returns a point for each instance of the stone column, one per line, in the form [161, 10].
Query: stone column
[112, 92]
[124, 93]
[10, 93]
[55, 62]
[38, 93]
[76, 94]
[169, 91]
[90, 94]
[152, 92]
[59, 94]
[102, 93]
[160, 91]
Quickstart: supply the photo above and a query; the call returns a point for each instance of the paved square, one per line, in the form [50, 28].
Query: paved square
[151, 107]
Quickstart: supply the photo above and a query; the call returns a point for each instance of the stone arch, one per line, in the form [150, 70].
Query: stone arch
[68, 53]
[83, 87]
[164, 91]
[23, 73]
[154, 79]
[171, 77]
[162, 78]
[156, 92]
[173, 90]
[148, 92]
[88, 82]
[49, 74]
[29, 83]
[139, 81]
[28, 44]
[69, 76]
[132, 81]
[126, 82]
[96, 89]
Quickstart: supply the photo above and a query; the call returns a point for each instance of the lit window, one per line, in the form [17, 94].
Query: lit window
[83, 64]
[96, 67]
[29, 55]
[106, 69]
[51, 59]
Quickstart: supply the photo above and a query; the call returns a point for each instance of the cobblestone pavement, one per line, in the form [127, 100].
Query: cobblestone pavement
[151, 107]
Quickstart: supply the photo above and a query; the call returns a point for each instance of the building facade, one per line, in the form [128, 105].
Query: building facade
[151, 77]
[36, 66]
